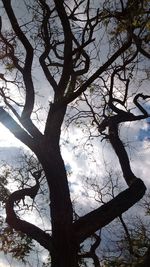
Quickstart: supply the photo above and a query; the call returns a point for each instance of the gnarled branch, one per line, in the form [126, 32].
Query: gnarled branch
[97, 219]
[27, 228]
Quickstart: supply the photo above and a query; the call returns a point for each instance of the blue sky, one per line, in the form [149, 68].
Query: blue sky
[144, 134]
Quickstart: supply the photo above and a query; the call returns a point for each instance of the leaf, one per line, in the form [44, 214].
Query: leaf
[9, 66]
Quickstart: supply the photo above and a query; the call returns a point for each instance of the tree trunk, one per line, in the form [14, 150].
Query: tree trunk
[64, 248]
[64, 253]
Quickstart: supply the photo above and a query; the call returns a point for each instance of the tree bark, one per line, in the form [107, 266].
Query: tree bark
[64, 249]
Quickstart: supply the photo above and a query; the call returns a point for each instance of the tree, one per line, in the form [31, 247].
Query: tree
[65, 40]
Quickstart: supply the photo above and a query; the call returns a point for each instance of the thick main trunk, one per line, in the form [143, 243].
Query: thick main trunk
[64, 248]
[65, 251]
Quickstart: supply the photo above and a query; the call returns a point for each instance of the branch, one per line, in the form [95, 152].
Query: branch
[92, 253]
[46, 38]
[121, 153]
[28, 124]
[80, 51]
[135, 101]
[27, 228]
[16, 129]
[31, 128]
[84, 86]
[29, 101]
[131, 250]
[113, 136]
[26, 72]
[97, 219]
[67, 66]
[122, 116]
[125, 80]
[138, 43]
[100, 217]
[10, 53]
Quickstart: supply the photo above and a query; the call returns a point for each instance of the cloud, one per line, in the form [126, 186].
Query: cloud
[10, 155]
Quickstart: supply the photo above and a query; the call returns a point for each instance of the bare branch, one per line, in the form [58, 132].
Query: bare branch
[16, 129]
[97, 219]
[20, 225]
[46, 37]
[29, 101]
[67, 68]
[98, 72]
[135, 100]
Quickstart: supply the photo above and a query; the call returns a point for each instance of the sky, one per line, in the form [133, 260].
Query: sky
[77, 162]
[83, 160]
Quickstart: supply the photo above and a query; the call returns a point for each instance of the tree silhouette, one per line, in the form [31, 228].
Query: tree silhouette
[83, 48]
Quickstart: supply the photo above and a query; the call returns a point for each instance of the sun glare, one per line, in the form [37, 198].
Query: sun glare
[7, 139]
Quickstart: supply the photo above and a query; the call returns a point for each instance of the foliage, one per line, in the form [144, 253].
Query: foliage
[15, 243]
